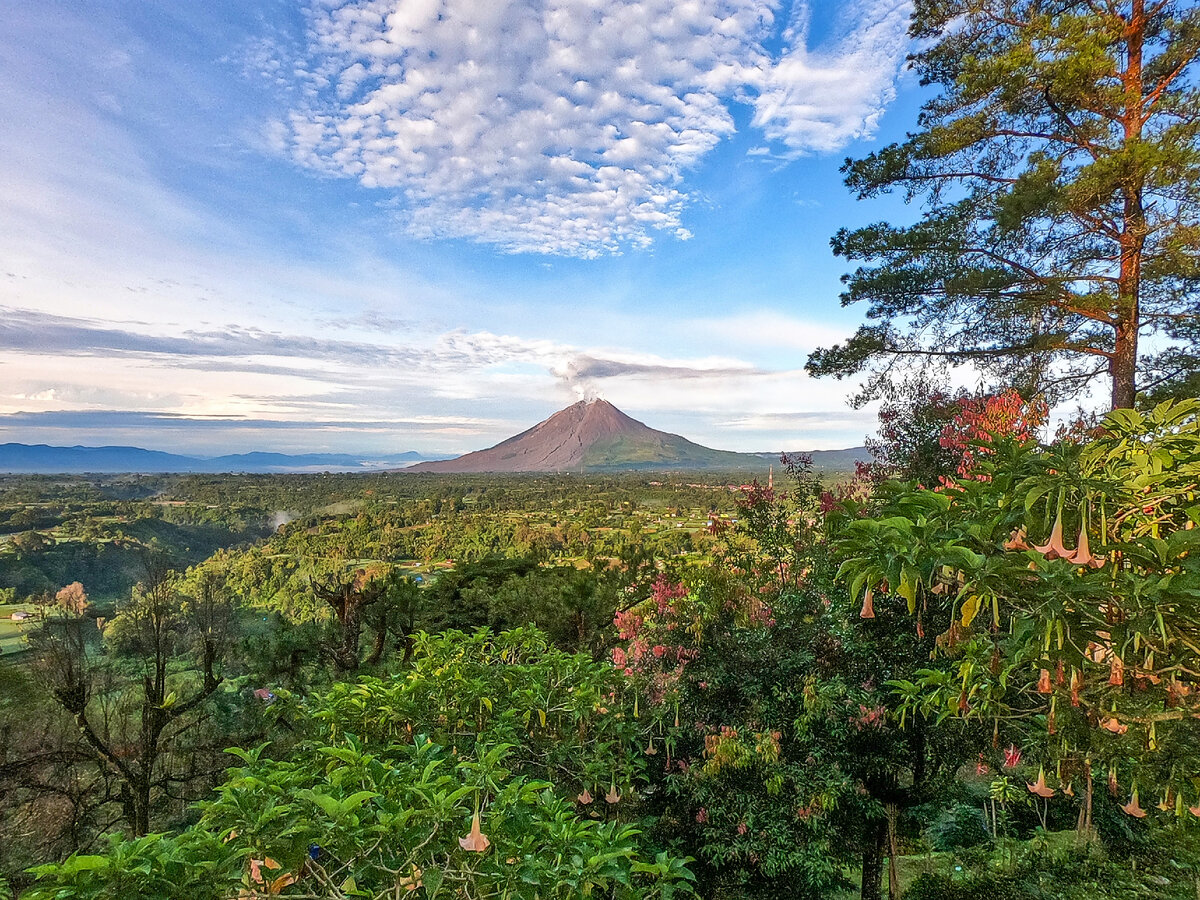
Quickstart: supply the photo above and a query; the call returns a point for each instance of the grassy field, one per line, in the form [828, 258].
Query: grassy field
[12, 634]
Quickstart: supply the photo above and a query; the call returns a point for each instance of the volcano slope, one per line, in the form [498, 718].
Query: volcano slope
[593, 435]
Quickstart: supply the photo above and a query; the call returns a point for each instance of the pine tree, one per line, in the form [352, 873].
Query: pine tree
[1058, 167]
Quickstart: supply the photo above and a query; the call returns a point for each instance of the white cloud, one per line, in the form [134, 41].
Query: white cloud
[821, 99]
[768, 328]
[420, 382]
[567, 126]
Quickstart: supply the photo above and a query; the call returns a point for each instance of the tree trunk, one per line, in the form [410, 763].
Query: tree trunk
[141, 805]
[872, 862]
[893, 853]
[381, 635]
[1123, 364]
[1087, 817]
[346, 657]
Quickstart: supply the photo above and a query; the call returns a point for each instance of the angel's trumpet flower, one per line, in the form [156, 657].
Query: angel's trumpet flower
[475, 841]
[1016, 540]
[1116, 673]
[868, 607]
[1083, 555]
[1040, 787]
[1133, 807]
[613, 795]
[1054, 548]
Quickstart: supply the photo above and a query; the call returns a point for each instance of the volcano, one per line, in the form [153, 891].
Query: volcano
[593, 434]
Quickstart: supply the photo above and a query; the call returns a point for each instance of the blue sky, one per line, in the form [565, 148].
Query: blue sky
[386, 225]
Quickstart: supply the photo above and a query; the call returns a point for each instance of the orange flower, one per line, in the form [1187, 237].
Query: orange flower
[585, 798]
[1110, 723]
[1043, 685]
[868, 607]
[1116, 676]
[1083, 554]
[1040, 787]
[1016, 541]
[1054, 548]
[257, 865]
[475, 841]
[613, 795]
[1133, 808]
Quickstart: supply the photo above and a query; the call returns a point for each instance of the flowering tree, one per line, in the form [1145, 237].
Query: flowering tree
[72, 598]
[781, 763]
[977, 420]
[1066, 594]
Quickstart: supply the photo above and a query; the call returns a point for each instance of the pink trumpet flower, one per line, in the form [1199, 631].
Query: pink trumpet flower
[475, 841]
[613, 795]
[1083, 555]
[1040, 787]
[1133, 807]
[585, 798]
[868, 607]
[1054, 548]
[1012, 757]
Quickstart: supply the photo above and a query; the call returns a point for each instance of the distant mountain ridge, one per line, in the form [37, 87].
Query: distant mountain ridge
[45, 459]
[595, 435]
[586, 436]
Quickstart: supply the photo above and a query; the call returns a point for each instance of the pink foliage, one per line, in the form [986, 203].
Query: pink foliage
[979, 419]
[870, 717]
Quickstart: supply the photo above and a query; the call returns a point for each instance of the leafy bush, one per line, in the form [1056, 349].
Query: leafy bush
[459, 777]
[958, 826]
[1043, 871]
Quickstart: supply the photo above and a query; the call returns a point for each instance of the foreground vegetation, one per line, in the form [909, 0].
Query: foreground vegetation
[973, 670]
[829, 690]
